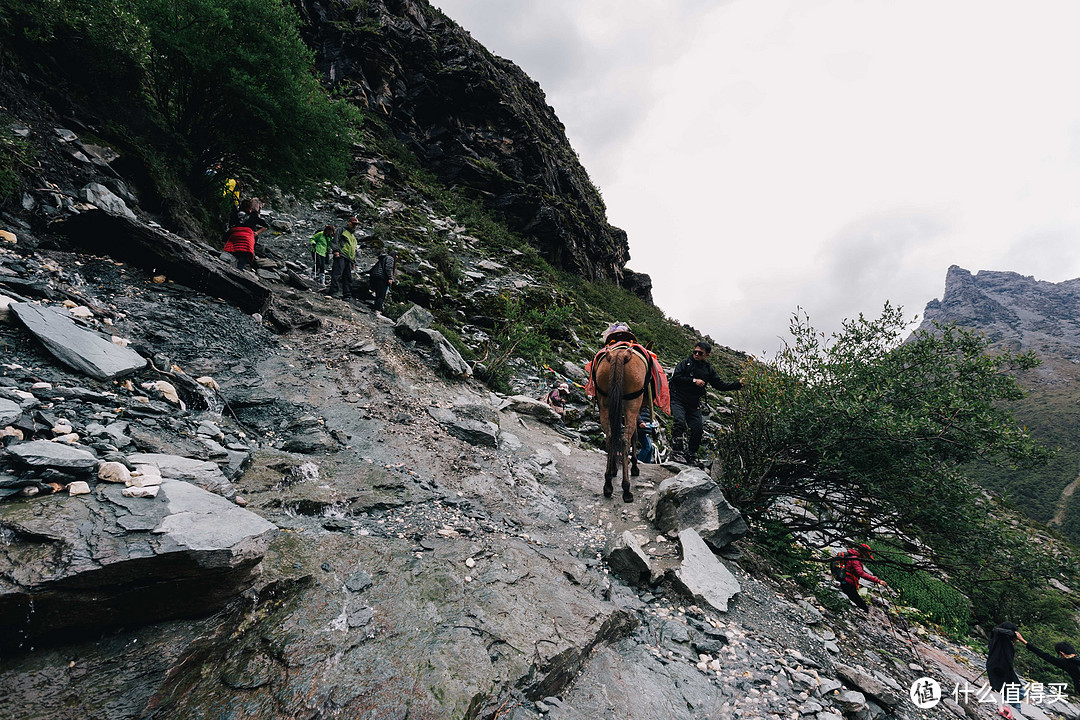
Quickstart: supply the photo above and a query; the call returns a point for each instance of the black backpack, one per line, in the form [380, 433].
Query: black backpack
[838, 566]
[378, 271]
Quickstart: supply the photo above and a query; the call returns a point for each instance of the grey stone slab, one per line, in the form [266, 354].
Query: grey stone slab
[103, 559]
[9, 411]
[702, 575]
[47, 454]
[203, 473]
[526, 405]
[81, 349]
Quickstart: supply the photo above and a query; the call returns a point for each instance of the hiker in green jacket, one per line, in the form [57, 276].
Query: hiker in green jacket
[320, 251]
[344, 249]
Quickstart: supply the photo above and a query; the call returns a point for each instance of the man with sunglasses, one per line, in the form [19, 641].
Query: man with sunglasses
[688, 381]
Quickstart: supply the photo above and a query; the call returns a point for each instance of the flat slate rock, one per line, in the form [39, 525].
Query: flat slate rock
[203, 473]
[702, 576]
[81, 349]
[48, 454]
[9, 411]
[102, 559]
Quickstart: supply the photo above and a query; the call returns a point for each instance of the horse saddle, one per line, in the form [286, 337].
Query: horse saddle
[638, 350]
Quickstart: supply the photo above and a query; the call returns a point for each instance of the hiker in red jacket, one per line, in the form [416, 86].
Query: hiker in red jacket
[853, 570]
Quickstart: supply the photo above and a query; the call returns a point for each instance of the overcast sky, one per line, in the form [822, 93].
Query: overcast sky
[764, 155]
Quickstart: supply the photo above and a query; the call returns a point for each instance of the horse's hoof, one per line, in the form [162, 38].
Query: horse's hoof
[634, 472]
[608, 490]
[628, 497]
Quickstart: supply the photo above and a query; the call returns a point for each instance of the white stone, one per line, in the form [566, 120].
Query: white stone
[41, 386]
[470, 563]
[69, 438]
[140, 492]
[145, 476]
[5, 308]
[11, 432]
[122, 342]
[207, 381]
[81, 311]
[78, 487]
[62, 427]
[114, 472]
[167, 390]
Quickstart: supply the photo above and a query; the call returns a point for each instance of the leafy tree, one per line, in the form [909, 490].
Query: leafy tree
[863, 434]
[229, 81]
[234, 80]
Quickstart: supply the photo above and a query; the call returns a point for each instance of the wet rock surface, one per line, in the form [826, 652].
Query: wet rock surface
[75, 565]
[345, 546]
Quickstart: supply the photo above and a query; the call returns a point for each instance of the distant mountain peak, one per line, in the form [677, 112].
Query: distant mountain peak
[1011, 309]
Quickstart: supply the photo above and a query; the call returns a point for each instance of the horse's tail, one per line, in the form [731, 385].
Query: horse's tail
[616, 416]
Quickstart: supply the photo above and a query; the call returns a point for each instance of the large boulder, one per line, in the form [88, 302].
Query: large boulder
[692, 499]
[702, 576]
[78, 564]
[450, 359]
[526, 405]
[414, 320]
[627, 560]
[81, 349]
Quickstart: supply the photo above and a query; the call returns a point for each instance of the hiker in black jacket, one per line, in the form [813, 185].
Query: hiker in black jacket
[688, 381]
[381, 277]
[1067, 660]
[999, 659]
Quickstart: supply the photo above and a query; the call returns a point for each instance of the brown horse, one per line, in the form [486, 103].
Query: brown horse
[620, 376]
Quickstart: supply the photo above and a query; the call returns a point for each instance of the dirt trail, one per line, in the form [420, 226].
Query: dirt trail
[1063, 502]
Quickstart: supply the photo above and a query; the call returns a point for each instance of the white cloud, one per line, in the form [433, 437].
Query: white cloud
[767, 154]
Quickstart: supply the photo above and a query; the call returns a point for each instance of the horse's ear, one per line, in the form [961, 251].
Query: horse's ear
[648, 346]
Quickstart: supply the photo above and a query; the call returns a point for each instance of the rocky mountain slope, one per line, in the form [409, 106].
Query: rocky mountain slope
[475, 120]
[345, 523]
[224, 494]
[1020, 313]
[434, 550]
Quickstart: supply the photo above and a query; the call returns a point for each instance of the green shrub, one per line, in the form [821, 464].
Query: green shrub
[790, 560]
[528, 324]
[446, 263]
[221, 81]
[16, 157]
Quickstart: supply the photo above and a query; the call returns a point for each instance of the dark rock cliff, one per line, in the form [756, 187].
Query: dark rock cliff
[473, 119]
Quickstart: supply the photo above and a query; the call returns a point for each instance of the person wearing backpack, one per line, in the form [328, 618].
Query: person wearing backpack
[381, 277]
[850, 570]
[245, 222]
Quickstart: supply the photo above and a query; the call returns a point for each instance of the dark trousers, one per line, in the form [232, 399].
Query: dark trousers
[852, 591]
[320, 263]
[243, 259]
[379, 287]
[684, 416]
[341, 277]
